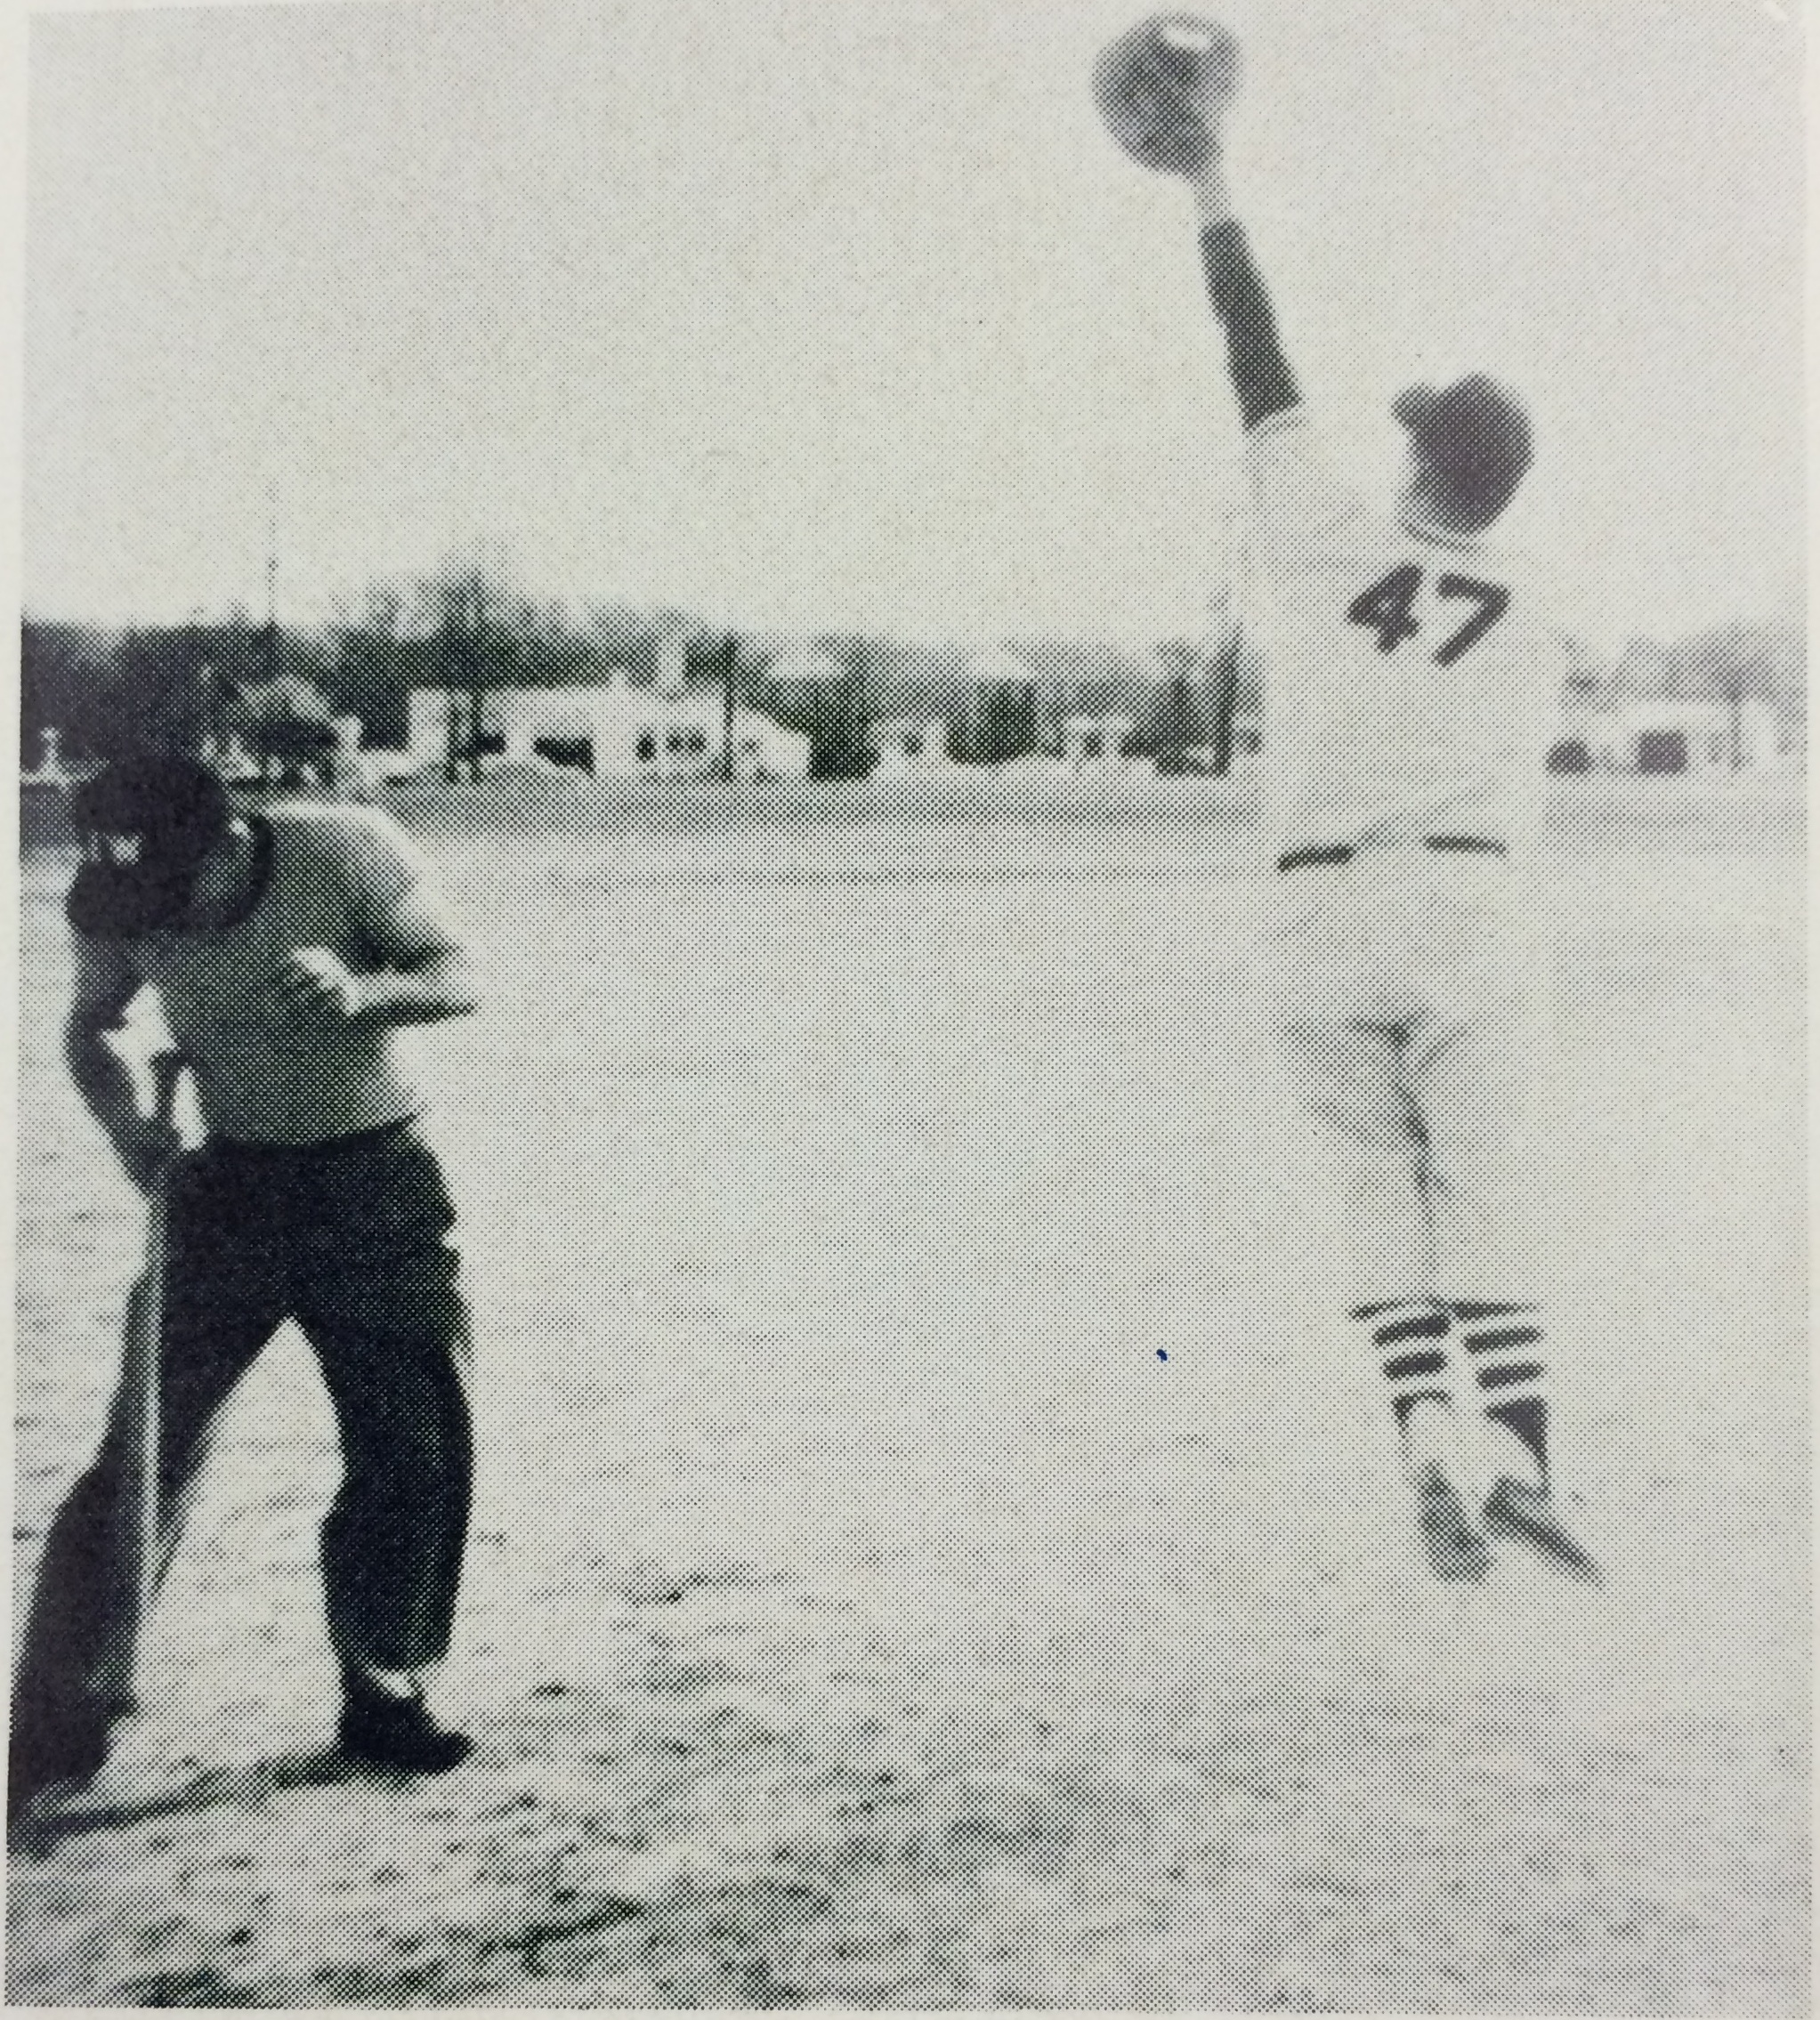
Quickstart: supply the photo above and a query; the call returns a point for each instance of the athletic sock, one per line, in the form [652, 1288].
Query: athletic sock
[1505, 1350]
[361, 1679]
[1409, 1337]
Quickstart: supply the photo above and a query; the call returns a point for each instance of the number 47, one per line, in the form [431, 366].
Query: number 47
[1387, 608]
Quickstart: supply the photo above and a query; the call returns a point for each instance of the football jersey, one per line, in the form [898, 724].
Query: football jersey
[1409, 683]
[344, 878]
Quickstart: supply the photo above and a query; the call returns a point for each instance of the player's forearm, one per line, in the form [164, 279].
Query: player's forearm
[426, 995]
[105, 1084]
[100, 1073]
[1260, 372]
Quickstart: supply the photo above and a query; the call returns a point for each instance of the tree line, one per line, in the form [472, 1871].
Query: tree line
[278, 686]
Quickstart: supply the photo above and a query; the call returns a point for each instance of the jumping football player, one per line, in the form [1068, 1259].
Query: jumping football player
[284, 948]
[1409, 690]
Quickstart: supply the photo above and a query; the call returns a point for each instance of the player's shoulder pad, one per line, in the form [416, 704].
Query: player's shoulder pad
[348, 841]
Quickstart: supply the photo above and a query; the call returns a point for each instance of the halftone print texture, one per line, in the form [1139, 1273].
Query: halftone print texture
[993, 1190]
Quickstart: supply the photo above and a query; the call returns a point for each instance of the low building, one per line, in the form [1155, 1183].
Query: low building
[1096, 743]
[911, 746]
[1666, 738]
[615, 730]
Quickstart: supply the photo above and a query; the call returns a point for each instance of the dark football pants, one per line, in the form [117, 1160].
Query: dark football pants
[352, 1240]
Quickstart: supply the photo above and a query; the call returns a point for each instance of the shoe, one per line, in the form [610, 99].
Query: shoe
[399, 1734]
[49, 1748]
[1456, 1550]
[1523, 1511]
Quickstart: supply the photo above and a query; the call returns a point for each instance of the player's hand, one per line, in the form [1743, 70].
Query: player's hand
[314, 987]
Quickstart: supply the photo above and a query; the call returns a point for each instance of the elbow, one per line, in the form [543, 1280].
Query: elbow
[1270, 403]
[433, 985]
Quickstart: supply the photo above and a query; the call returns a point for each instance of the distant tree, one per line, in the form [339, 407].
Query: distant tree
[717, 661]
[467, 650]
[1174, 720]
[1643, 671]
[1248, 675]
[368, 682]
[162, 696]
[617, 635]
[1229, 666]
[266, 656]
[839, 716]
[367, 673]
[999, 724]
[68, 674]
[1732, 665]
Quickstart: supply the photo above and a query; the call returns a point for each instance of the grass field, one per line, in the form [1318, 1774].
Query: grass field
[861, 1611]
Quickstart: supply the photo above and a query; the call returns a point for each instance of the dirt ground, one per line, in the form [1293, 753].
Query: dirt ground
[861, 1611]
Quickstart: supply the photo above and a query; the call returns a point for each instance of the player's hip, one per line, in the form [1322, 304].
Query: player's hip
[340, 1202]
[1451, 886]
[301, 1093]
[1391, 934]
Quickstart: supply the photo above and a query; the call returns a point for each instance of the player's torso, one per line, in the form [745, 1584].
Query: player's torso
[263, 1078]
[1406, 681]
[1403, 697]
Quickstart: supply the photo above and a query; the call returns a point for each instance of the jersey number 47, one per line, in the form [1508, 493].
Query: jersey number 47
[1388, 608]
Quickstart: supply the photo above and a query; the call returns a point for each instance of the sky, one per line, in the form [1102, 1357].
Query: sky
[816, 313]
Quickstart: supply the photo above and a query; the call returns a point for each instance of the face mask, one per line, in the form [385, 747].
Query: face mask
[117, 898]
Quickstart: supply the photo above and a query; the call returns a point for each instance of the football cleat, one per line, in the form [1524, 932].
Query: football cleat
[398, 1734]
[1523, 1511]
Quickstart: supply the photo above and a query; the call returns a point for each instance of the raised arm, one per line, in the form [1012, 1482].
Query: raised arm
[1261, 375]
[1164, 89]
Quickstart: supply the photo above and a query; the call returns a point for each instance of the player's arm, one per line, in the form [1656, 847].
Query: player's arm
[105, 985]
[423, 972]
[416, 969]
[1261, 374]
[1163, 88]
[428, 973]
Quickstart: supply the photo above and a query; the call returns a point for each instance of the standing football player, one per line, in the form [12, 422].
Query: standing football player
[284, 948]
[1410, 686]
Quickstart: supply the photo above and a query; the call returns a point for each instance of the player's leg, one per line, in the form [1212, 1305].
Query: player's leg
[1349, 1072]
[385, 1310]
[221, 1305]
[1475, 1083]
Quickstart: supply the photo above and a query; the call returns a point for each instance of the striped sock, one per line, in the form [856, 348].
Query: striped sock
[1409, 1336]
[1504, 1347]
